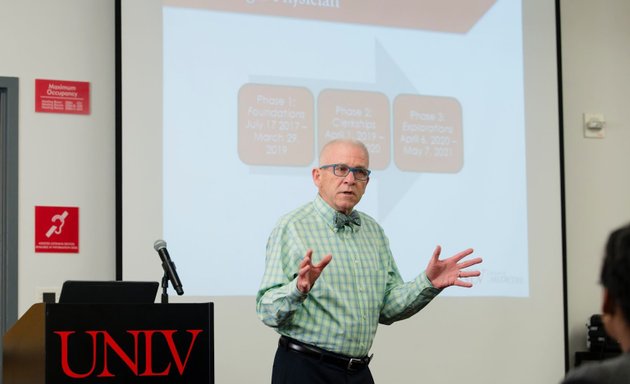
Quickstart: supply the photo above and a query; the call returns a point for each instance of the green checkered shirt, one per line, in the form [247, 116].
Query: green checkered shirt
[360, 288]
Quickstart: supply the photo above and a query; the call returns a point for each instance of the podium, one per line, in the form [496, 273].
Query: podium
[111, 343]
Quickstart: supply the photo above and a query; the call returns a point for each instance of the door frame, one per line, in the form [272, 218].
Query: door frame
[8, 204]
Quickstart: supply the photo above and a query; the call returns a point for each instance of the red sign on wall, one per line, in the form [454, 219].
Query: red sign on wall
[59, 96]
[57, 229]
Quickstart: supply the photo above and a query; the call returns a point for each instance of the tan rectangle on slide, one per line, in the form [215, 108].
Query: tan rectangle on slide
[275, 125]
[454, 16]
[359, 115]
[428, 134]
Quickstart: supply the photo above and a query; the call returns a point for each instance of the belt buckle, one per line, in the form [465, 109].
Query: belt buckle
[351, 361]
[365, 361]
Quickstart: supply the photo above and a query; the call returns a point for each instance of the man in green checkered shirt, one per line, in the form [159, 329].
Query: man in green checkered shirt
[330, 277]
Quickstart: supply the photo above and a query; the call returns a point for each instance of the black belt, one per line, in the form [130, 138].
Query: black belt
[347, 363]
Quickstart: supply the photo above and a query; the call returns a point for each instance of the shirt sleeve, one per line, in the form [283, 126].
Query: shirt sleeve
[403, 300]
[278, 297]
[606, 371]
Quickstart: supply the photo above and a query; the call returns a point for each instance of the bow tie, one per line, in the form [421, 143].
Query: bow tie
[342, 220]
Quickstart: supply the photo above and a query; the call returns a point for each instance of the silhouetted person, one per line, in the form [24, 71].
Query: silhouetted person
[615, 279]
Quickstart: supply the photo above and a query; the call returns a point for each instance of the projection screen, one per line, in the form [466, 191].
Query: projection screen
[227, 103]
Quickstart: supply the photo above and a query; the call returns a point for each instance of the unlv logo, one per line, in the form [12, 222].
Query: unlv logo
[129, 343]
[139, 353]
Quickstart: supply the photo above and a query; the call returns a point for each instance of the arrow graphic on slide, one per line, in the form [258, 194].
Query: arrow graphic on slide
[391, 81]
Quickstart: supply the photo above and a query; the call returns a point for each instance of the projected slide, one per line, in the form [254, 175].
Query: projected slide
[253, 89]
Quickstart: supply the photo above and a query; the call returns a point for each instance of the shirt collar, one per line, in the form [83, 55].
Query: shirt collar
[328, 214]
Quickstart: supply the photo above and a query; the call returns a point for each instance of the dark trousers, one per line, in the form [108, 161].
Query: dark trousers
[291, 367]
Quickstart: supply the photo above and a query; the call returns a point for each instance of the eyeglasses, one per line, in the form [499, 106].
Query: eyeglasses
[342, 170]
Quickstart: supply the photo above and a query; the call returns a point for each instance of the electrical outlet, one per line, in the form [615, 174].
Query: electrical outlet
[594, 125]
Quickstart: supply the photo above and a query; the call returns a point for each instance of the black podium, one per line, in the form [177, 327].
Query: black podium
[111, 343]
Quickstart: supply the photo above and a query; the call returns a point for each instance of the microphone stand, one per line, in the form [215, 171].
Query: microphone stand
[165, 288]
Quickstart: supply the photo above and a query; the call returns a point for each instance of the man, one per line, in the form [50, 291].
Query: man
[615, 278]
[330, 277]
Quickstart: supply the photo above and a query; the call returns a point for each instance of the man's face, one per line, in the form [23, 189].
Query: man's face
[341, 193]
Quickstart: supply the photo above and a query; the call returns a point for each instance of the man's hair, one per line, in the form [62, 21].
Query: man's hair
[358, 143]
[615, 274]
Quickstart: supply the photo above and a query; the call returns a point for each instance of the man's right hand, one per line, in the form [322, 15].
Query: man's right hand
[308, 272]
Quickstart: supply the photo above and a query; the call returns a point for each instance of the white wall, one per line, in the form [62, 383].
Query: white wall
[64, 160]
[596, 79]
[69, 160]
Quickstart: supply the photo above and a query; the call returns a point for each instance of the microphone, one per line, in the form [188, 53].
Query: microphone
[168, 266]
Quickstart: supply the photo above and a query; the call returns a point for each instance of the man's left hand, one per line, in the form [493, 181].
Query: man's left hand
[448, 272]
